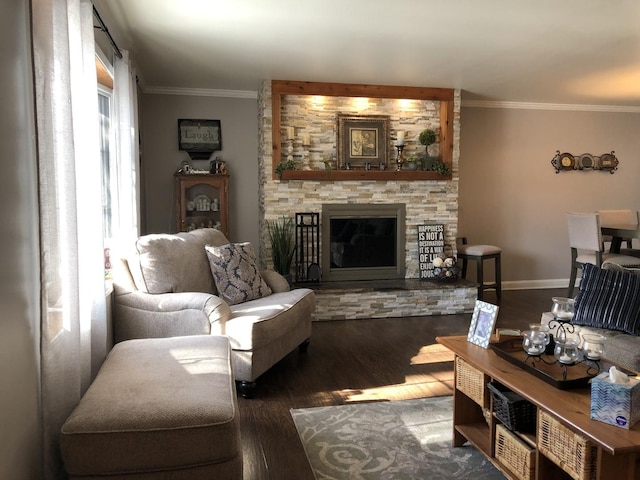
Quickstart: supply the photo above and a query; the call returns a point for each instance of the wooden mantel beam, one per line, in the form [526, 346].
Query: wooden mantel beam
[287, 87]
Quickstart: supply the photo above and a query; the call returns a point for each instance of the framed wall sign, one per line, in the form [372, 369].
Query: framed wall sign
[199, 136]
[430, 244]
[362, 140]
[482, 323]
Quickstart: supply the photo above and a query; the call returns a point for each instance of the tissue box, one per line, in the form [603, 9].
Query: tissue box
[615, 403]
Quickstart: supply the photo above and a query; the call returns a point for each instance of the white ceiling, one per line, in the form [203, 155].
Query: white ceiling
[584, 52]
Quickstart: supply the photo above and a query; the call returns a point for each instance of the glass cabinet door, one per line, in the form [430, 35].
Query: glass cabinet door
[201, 202]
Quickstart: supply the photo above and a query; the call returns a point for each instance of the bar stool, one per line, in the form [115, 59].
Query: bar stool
[480, 253]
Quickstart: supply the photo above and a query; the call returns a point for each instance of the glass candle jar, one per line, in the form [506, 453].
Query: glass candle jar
[593, 346]
[563, 308]
[539, 327]
[567, 352]
[534, 342]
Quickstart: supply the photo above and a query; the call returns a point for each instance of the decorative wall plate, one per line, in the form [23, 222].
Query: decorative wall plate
[608, 161]
[585, 161]
[563, 161]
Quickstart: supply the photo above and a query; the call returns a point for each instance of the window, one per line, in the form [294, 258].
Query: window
[107, 159]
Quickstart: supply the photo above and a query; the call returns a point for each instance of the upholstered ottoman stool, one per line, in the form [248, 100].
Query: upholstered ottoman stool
[162, 408]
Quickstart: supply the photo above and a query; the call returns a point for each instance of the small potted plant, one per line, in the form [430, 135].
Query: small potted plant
[427, 137]
[282, 245]
[439, 166]
[327, 165]
[413, 162]
[285, 165]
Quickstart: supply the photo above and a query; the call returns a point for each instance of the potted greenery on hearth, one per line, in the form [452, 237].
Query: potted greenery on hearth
[281, 236]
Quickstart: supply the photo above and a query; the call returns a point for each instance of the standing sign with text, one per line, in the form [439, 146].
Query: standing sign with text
[430, 244]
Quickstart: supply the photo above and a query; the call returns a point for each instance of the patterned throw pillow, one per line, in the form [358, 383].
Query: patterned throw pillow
[235, 273]
[608, 299]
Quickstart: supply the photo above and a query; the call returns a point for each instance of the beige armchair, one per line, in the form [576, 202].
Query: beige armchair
[164, 288]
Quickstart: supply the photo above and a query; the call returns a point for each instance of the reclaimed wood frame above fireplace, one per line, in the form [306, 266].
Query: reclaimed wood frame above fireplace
[445, 96]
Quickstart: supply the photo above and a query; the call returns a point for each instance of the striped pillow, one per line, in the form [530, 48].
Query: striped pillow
[608, 299]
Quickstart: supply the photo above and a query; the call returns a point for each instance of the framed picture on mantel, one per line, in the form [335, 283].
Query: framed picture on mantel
[362, 140]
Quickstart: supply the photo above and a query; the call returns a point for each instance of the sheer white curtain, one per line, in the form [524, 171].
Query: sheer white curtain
[73, 293]
[125, 101]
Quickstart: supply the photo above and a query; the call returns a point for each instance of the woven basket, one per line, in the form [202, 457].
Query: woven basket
[470, 381]
[512, 410]
[514, 454]
[571, 452]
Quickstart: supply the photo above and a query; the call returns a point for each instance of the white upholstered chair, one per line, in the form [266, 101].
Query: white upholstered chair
[585, 240]
[617, 216]
[634, 252]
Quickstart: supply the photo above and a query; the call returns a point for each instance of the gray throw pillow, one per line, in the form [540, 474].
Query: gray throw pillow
[235, 273]
[608, 299]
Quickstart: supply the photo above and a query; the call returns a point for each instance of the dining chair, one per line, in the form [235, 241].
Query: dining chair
[585, 241]
[617, 216]
[634, 252]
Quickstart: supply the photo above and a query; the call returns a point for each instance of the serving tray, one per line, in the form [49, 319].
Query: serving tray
[547, 368]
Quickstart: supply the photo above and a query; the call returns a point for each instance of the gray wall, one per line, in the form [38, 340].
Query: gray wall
[20, 441]
[511, 196]
[161, 158]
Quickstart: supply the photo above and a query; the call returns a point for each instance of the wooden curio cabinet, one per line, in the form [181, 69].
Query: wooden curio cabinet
[202, 201]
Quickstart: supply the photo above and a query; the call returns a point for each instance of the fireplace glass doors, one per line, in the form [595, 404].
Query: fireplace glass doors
[363, 241]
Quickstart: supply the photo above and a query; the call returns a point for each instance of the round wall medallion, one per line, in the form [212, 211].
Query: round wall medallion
[586, 161]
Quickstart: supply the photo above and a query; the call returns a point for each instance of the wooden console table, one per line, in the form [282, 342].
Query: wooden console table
[616, 450]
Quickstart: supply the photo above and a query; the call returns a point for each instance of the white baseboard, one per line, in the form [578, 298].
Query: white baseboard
[537, 284]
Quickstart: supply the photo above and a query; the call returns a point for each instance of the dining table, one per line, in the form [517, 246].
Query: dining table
[619, 232]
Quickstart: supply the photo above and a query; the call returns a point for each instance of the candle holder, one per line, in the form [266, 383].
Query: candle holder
[565, 355]
[567, 352]
[534, 342]
[290, 149]
[400, 158]
[593, 346]
[563, 311]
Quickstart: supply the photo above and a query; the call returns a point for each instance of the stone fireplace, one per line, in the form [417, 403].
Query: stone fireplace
[424, 200]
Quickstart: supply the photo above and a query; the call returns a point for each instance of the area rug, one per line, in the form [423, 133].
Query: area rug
[399, 440]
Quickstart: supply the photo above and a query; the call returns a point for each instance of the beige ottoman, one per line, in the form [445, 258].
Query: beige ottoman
[161, 408]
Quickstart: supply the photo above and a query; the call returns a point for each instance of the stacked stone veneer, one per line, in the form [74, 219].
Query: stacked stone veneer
[425, 200]
[353, 304]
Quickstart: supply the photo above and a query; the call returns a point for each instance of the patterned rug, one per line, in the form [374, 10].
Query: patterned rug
[399, 440]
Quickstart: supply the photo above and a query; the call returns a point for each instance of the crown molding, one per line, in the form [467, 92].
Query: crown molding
[207, 92]
[200, 92]
[550, 106]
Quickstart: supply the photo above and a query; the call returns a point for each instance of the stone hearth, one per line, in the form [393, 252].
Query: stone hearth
[392, 298]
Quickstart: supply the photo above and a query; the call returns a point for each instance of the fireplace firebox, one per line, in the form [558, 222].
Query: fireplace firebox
[363, 241]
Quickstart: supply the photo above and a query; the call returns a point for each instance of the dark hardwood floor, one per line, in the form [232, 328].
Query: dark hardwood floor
[359, 361]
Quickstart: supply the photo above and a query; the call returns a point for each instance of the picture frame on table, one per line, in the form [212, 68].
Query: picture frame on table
[483, 322]
[362, 140]
[199, 136]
